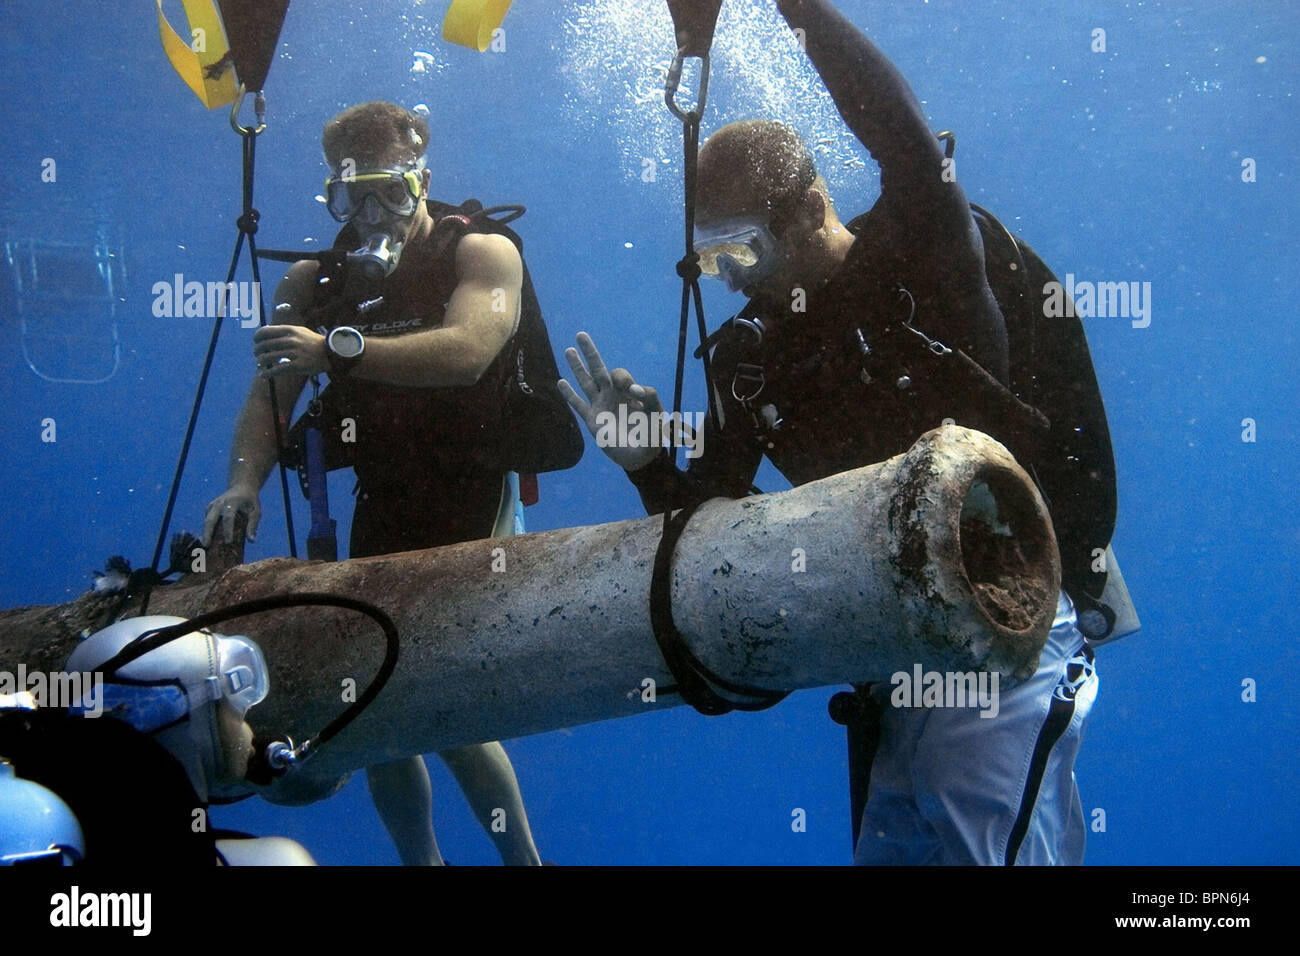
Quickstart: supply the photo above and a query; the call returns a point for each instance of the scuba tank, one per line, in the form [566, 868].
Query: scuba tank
[36, 827]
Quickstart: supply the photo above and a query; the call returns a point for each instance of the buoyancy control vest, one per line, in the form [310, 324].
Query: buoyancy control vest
[801, 392]
[512, 419]
[1052, 370]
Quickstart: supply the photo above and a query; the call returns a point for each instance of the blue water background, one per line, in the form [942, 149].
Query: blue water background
[1116, 166]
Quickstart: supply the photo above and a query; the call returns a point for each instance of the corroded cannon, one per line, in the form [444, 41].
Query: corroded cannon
[943, 557]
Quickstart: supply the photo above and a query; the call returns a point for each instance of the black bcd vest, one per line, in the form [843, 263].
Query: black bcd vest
[1051, 416]
[512, 419]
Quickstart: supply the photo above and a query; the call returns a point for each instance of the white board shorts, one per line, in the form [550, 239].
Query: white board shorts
[951, 787]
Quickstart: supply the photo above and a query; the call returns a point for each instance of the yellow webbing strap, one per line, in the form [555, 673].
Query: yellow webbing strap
[193, 66]
[471, 22]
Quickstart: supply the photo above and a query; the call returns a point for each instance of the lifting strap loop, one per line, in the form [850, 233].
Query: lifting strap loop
[204, 64]
[695, 681]
[694, 21]
[247, 223]
[225, 49]
[472, 23]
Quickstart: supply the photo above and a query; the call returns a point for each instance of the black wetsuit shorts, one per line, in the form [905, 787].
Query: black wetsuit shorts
[424, 512]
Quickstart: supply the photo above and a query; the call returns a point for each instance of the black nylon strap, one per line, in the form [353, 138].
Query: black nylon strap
[1059, 714]
[695, 681]
[247, 223]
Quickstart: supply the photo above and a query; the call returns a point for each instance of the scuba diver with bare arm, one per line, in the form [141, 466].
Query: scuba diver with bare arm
[415, 345]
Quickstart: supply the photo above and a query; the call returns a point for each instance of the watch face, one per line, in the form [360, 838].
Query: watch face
[345, 342]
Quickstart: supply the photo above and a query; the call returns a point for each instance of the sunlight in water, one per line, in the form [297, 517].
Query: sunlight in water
[616, 55]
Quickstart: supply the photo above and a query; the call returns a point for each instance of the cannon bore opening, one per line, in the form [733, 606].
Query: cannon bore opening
[1007, 550]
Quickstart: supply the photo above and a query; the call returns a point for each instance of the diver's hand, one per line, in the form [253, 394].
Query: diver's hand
[289, 350]
[237, 500]
[606, 391]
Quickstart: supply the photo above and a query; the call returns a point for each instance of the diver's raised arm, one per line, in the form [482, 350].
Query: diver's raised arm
[919, 192]
[872, 97]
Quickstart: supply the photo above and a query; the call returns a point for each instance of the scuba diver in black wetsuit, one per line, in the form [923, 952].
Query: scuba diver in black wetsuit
[416, 345]
[857, 339]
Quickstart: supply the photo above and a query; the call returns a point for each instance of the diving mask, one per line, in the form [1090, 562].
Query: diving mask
[182, 677]
[738, 251]
[395, 190]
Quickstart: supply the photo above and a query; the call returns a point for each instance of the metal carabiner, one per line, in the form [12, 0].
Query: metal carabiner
[748, 373]
[259, 110]
[674, 82]
[934, 345]
[949, 140]
[753, 326]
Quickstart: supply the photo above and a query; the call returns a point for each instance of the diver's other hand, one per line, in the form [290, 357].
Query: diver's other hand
[289, 350]
[237, 500]
[606, 391]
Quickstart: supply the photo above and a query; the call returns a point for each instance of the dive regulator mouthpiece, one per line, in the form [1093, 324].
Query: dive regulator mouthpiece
[274, 758]
[377, 258]
[280, 755]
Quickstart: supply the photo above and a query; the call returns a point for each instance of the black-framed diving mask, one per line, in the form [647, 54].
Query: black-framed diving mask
[740, 252]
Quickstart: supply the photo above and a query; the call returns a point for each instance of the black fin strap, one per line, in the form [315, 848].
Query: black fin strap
[695, 682]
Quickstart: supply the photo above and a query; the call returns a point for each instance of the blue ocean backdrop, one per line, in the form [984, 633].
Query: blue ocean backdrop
[1123, 165]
